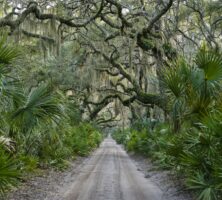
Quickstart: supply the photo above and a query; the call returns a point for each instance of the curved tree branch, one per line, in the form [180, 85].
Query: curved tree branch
[34, 9]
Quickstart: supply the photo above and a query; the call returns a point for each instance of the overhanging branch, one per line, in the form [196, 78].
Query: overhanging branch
[33, 8]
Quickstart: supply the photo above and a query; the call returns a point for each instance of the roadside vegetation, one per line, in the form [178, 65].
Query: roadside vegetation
[40, 127]
[189, 142]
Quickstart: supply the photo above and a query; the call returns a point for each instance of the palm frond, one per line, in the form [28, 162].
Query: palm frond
[175, 77]
[206, 188]
[40, 106]
[211, 63]
[8, 172]
[7, 52]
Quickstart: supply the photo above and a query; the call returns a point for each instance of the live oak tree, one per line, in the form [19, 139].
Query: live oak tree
[110, 51]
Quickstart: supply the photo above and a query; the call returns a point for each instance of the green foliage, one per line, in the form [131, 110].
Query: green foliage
[139, 141]
[193, 150]
[198, 182]
[193, 88]
[169, 50]
[194, 153]
[211, 63]
[7, 53]
[144, 123]
[84, 139]
[121, 136]
[146, 43]
[28, 163]
[39, 126]
[40, 106]
[9, 173]
[175, 77]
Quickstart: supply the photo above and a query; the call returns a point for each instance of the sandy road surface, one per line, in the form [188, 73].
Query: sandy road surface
[111, 175]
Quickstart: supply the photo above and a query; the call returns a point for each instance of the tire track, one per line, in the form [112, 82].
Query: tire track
[111, 175]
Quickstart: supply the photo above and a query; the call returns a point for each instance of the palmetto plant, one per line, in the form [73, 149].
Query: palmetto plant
[193, 88]
[41, 105]
[194, 92]
[8, 172]
[8, 52]
[8, 168]
[175, 80]
[211, 63]
[9, 90]
[39, 125]
[198, 182]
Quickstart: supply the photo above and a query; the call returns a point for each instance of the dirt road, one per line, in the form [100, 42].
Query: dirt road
[111, 175]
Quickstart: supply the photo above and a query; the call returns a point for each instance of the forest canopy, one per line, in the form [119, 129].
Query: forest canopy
[110, 44]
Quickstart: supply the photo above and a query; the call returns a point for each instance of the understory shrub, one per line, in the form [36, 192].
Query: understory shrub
[84, 138]
[50, 150]
[121, 136]
[40, 126]
[190, 144]
[194, 153]
[9, 172]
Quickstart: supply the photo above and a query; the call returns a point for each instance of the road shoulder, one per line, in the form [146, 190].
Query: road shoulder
[171, 186]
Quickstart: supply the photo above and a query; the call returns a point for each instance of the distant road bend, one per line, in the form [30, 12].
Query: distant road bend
[111, 175]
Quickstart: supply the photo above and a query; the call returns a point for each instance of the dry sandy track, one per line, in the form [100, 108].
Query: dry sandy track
[110, 175]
